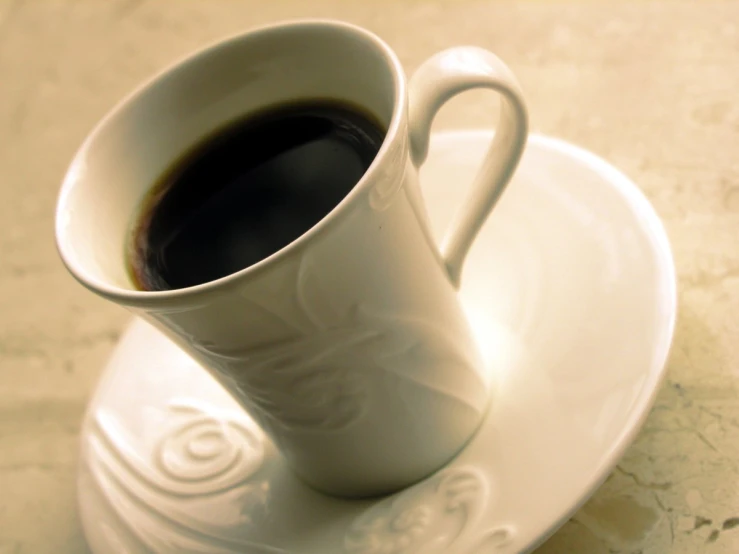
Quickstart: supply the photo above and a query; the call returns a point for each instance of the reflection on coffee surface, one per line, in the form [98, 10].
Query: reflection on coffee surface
[248, 190]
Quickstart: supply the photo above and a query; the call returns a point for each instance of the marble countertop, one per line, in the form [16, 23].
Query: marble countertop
[651, 86]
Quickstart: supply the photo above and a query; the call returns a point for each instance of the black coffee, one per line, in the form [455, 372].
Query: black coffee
[248, 190]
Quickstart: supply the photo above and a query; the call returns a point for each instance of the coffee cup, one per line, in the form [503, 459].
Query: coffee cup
[348, 346]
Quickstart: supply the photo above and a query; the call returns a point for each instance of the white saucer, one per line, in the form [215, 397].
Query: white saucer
[571, 290]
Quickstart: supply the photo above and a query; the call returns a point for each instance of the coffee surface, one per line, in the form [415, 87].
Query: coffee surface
[248, 190]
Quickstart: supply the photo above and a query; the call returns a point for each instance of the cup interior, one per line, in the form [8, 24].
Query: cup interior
[147, 132]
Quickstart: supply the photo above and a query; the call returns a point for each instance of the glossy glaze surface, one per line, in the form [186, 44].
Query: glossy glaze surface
[571, 293]
[348, 344]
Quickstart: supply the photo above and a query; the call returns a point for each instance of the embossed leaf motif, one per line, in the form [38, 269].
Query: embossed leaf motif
[426, 519]
[204, 459]
[306, 383]
[422, 354]
[317, 379]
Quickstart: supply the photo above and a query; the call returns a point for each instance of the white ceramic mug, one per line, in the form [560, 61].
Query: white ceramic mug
[348, 346]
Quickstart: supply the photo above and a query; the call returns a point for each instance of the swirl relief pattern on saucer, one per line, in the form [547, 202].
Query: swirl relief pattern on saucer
[434, 516]
[194, 490]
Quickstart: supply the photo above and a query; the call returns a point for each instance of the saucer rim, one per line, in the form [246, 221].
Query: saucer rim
[650, 222]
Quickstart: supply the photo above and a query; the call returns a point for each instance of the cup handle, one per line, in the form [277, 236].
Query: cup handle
[439, 78]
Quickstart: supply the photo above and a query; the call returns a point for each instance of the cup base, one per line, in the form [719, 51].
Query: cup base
[572, 272]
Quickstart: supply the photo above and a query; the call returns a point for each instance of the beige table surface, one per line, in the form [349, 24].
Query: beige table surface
[653, 87]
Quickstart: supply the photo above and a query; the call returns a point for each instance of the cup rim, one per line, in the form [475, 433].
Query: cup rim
[133, 297]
